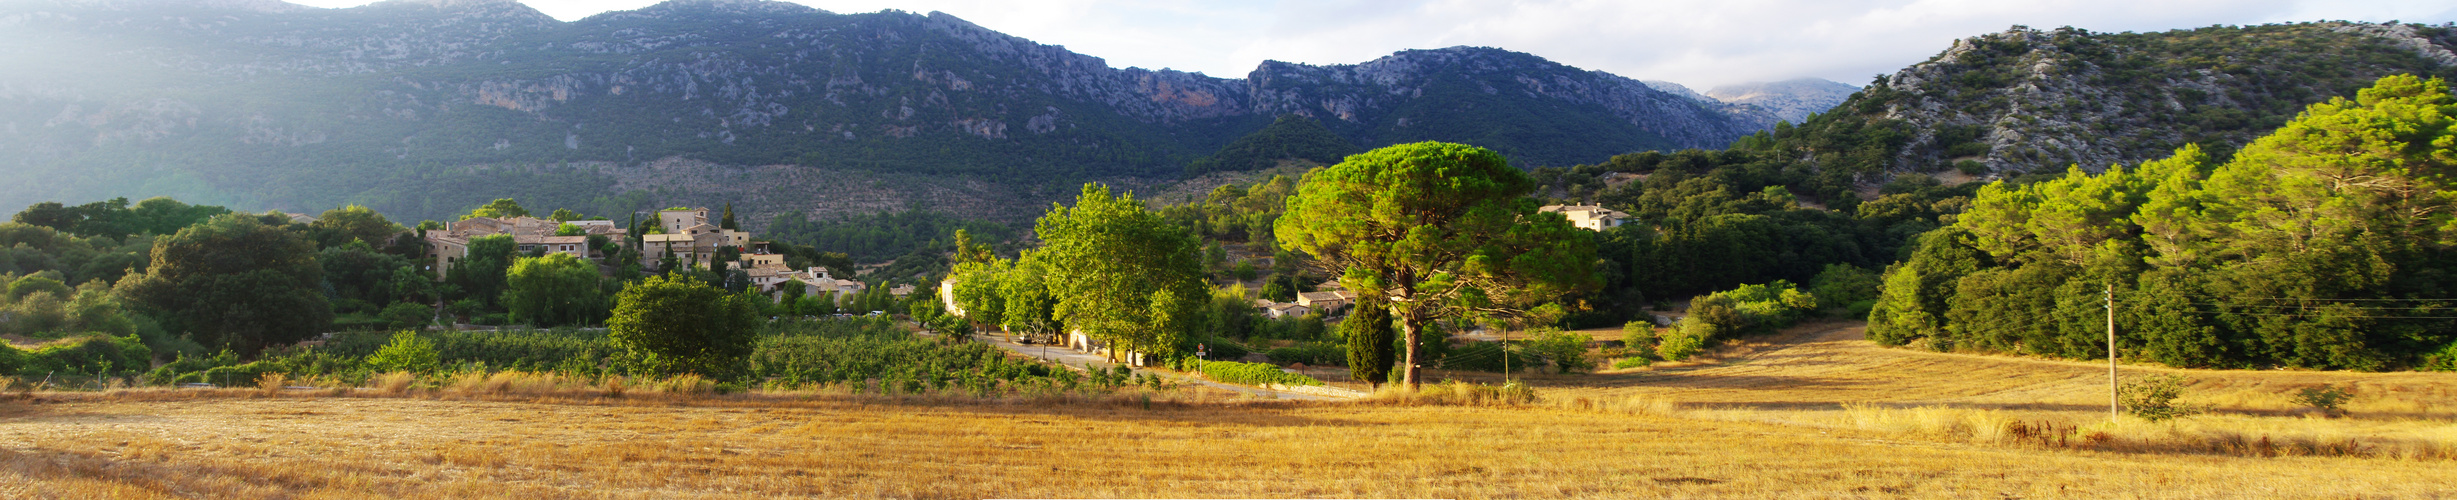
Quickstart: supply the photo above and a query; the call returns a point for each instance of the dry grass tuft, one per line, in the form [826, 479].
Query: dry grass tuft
[271, 384]
[1455, 392]
[393, 383]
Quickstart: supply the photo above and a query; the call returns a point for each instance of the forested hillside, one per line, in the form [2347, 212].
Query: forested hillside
[2325, 244]
[416, 107]
[2028, 100]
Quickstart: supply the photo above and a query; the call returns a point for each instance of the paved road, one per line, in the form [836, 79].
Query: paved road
[1073, 359]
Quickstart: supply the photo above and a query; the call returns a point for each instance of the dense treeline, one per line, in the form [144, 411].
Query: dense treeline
[1779, 205]
[181, 281]
[2323, 245]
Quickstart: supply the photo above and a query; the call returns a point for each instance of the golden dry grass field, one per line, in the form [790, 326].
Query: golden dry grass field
[1816, 414]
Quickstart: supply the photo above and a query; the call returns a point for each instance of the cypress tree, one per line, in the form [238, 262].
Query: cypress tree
[1372, 347]
[728, 221]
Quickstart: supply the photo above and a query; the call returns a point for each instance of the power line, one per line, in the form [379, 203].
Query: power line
[2316, 298]
[2317, 306]
[2308, 315]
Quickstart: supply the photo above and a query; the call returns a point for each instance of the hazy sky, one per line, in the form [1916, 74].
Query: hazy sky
[1695, 43]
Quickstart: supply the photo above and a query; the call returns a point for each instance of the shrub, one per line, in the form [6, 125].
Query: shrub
[1686, 340]
[406, 353]
[1639, 335]
[2153, 398]
[2445, 360]
[1253, 374]
[91, 355]
[11, 359]
[1566, 350]
[684, 326]
[2326, 398]
[1631, 362]
[187, 368]
[1971, 167]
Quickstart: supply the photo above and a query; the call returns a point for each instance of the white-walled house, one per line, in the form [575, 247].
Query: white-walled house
[1589, 217]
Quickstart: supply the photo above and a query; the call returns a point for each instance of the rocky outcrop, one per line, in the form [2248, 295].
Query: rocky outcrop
[1791, 100]
[2028, 100]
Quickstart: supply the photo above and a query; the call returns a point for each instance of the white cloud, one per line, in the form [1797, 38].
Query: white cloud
[1697, 43]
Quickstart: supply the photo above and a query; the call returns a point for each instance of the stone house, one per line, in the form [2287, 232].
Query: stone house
[1326, 301]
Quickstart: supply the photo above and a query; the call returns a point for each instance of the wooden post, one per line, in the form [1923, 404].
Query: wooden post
[2112, 408]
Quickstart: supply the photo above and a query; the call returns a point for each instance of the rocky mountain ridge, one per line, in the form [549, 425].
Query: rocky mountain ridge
[268, 104]
[2029, 100]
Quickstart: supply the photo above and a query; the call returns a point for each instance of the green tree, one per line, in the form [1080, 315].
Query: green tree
[1439, 229]
[1372, 346]
[727, 222]
[1122, 274]
[684, 326]
[789, 297]
[1030, 307]
[500, 208]
[564, 215]
[359, 274]
[570, 229]
[967, 251]
[979, 290]
[235, 282]
[354, 223]
[554, 290]
[481, 274]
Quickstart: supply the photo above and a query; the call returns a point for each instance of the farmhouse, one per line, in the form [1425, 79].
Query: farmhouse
[1589, 217]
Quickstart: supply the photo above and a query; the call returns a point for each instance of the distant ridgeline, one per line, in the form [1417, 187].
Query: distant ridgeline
[420, 108]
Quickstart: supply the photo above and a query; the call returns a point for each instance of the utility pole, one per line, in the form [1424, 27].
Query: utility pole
[2112, 409]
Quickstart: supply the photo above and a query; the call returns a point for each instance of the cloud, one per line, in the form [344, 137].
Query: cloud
[1696, 43]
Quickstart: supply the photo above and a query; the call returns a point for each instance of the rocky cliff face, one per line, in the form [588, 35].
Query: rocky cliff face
[2033, 100]
[266, 104]
[1791, 100]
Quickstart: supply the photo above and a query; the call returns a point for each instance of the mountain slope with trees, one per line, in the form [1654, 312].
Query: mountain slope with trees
[400, 104]
[2325, 244]
[2028, 100]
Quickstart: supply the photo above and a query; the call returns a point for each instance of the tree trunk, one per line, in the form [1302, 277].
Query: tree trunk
[1409, 363]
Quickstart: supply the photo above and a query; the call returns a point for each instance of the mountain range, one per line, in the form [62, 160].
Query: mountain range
[423, 108]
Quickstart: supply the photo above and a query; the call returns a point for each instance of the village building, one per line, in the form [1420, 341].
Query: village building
[1329, 302]
[694, 241]
[576, 246]
[815, 281]
[1285, 310]
[448, 246]
[946, 297]
[1589, 217]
